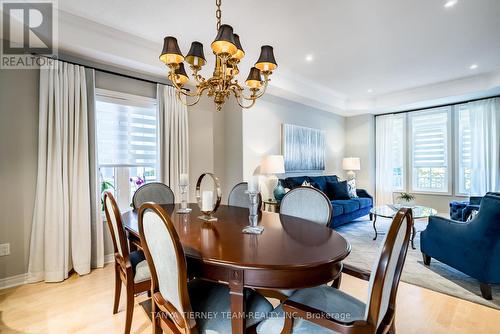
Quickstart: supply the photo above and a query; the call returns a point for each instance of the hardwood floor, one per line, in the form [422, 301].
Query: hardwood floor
[84, 305]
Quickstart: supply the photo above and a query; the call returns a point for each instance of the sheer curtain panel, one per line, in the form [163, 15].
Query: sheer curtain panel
[384, 160]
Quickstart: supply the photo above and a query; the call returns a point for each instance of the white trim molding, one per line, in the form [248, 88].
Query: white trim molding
[13, 281]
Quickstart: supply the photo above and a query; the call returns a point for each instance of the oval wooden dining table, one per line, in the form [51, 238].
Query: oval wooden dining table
[291, 253]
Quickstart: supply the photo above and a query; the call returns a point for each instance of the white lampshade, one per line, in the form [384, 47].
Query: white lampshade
[272, 164]
[351, 163]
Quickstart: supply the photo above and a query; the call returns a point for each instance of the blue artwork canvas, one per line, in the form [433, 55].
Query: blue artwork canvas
[303, 148]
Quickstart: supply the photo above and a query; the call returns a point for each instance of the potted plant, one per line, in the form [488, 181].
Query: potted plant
[406, 199]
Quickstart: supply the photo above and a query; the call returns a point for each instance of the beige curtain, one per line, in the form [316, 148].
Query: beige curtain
[384, 160]
[61, 229]
[173, 138]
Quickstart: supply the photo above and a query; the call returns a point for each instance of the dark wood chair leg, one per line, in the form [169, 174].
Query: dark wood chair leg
[392, 329]
[118, 290]
[336, 282]
[485, 291]
[371, 216]
[427, 259]
[130, 307]
[287, 327]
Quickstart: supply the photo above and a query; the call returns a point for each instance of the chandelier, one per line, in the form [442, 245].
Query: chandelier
[228, 53]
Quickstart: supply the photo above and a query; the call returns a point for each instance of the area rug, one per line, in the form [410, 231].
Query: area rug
[438, 276]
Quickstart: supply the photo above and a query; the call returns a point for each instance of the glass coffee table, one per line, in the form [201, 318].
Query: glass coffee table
[389, 211]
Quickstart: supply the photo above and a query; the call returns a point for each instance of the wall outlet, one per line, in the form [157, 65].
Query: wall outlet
[4, 249]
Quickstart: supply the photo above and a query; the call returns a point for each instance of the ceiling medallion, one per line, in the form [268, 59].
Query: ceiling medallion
[228, 53]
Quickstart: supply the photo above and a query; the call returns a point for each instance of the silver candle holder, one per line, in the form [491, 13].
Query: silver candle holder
[184, 208]
[253, 218]
[208, 215]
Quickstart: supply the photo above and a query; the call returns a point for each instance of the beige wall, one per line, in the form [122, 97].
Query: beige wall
[262, 131]
[18, 165]
[360, 142]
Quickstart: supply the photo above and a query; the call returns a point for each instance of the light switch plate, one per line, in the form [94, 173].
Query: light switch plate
[4, 249]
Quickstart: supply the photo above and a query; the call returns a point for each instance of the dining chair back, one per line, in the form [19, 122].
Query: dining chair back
[386, 273]
[131, 268]
[238, 196]
[164, 253]
[115, 225]
[307, 203]
[155, 192]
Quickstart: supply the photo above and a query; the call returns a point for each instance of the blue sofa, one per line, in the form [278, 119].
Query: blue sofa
[471, 247]
[344, 211]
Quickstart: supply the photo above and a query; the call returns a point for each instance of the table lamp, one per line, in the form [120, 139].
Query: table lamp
[351, 164]
[272, 165]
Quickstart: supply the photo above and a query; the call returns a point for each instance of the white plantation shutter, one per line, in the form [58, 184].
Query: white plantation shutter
[126, 132]
[430, 133]
[430, 139]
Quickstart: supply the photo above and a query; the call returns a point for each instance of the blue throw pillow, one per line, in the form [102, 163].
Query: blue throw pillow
[337, 190]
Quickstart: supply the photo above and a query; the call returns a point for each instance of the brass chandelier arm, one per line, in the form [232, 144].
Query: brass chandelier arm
[185, 102]
[179, 89]
[240, 98]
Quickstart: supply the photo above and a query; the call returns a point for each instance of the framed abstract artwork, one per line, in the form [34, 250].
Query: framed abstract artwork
[303, 148]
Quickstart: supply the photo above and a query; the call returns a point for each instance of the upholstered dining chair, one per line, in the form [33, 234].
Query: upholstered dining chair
[238, 196]
[307, 203]
[326, 309]
[131, 268]
[156, 192]
[175, 301]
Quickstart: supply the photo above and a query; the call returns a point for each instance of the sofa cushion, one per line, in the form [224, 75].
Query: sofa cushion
[331, 178]
[337, 190]
[318, 182]
[364, 202]
[349, 205]
[295, 181]
[337, 209]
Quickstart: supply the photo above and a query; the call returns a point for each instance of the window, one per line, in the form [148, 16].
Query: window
[464, 161]
[126, 143]
[429, 139]
[398, 152]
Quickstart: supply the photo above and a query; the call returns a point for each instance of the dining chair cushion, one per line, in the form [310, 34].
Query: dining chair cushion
[139, 266]
[325, 298]
[213, 299]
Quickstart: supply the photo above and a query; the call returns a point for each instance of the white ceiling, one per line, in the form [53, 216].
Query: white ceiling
[394, 47]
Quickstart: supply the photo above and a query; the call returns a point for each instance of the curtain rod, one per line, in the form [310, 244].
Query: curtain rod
[437, 106]
[110, 72]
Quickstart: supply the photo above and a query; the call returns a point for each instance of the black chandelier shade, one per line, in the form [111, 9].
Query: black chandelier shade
[181, 75]
[171, 53]
[224, 41]
[196, 56]
[254, 79]
[240, 53]
[266, 61]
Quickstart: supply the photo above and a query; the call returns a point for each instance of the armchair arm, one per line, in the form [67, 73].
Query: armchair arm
[293, 310]
[363, 193]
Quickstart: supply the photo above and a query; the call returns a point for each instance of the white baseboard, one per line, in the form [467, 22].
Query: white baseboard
[108, 258]
[12, 281]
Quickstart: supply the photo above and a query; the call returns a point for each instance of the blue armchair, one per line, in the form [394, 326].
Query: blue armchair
[471, 247]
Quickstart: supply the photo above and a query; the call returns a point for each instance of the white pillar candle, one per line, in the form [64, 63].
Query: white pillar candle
[183, 179]
[253, 184]
[207, 200]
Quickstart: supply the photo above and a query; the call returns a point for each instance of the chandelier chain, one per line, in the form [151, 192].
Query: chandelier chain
[218, 13]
